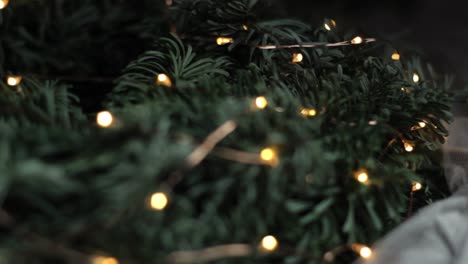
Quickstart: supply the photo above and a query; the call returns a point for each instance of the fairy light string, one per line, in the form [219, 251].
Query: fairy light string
[355, 41]
[267, 156]
[164, 80]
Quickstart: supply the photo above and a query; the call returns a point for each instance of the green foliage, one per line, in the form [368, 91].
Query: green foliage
[47, 103]
[171, 57]
[67, 37]
[86, 188]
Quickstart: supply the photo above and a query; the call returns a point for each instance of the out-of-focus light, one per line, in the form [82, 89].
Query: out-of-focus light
[365, 252]
[104, 119]
[159, 201]
[13, 80]
[357, 40]
[261, 102]
[417, 186]
[268, 154]
[269, 243]
[104, 260]
[297, 57]
[224, 40]
[3, 3]
[164, 80]
[416, 77]
[395, 56]
[408, 146]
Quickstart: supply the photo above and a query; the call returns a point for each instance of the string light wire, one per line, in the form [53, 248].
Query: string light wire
[314, 44]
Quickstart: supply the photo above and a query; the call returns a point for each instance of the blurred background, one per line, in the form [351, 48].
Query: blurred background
[435, 30]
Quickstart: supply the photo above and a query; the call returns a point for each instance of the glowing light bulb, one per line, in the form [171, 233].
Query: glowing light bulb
[361, 176]
[13, 80]
[245, 27]
[395, 56]
[365, 252]
[373, 122]
[261, 102]
[308, 112]
[357, 40]
[416, 78]
[3, 3]
[406, 90]
[416, 186]
[104, 260]
[104, 119]
[164, 80]
[327, 27]
[269, 243]
[168, 2]
[224, 40]
[268, 154]
[333, 22]
[422, 124]
[159, 201]
[297, 57]
[408, 146]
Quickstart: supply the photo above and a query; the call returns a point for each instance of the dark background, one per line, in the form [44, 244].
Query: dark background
[435, 30]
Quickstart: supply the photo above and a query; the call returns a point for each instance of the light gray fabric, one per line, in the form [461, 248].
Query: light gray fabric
[456, 154]
[438, 234]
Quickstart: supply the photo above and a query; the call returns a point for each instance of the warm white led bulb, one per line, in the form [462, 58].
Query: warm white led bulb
[104, 119]
[416, 78]
[362, 177]
[3, 3]
[268, 154]
[308, 112]
[357, 40]
[261, 102]
[164, 80]
[416, 186]
[159, 201]
[224, 40]
[104, 260]
[365, 252]
[297, 57]
[408, 147]
[13, 80]
[269, 243]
